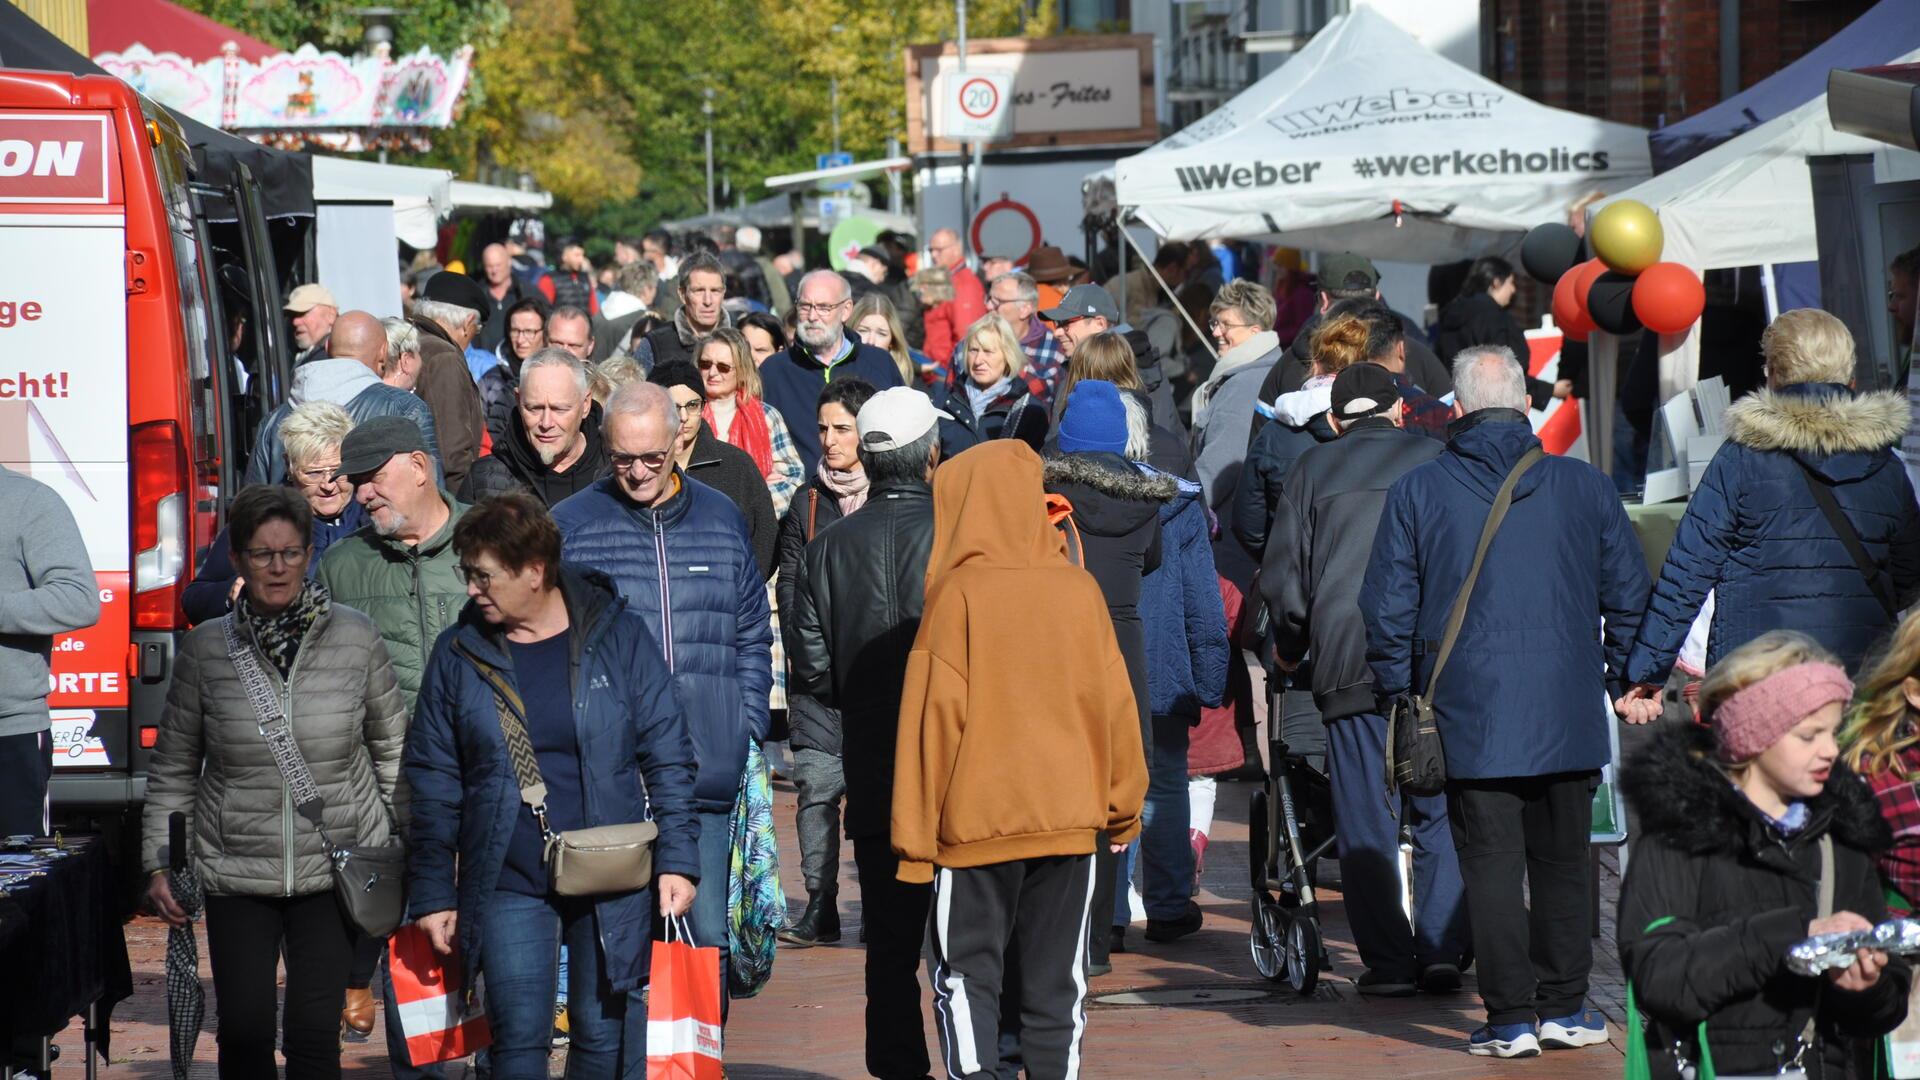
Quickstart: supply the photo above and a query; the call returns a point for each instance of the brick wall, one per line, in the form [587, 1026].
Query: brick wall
[1645, 61]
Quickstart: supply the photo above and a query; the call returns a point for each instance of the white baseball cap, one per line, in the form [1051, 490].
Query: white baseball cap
[895, 417]
[307, 297]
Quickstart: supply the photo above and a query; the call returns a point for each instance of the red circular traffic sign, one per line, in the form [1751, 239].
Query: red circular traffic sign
[987, 98]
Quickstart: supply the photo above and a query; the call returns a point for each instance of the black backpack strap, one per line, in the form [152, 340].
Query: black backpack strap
[1842, 528]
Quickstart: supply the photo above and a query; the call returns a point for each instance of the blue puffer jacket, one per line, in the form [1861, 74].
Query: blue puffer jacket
[1187, 650]
[635, 754]
[1754, 536]
[709, 614]
[1525, 691]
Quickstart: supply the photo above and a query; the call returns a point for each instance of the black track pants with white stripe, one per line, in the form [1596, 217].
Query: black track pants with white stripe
[976, 912]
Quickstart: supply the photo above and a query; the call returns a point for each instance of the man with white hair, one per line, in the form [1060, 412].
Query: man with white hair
[1522, 707]
[553, 446]
[823, 349]
[402, 371]
[448, 318]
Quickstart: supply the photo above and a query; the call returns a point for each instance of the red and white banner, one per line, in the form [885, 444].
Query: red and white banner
[57, 158]
[1558, 425]
[430, 993]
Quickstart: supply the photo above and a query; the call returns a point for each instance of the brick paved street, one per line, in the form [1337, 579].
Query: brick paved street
[807, 1024]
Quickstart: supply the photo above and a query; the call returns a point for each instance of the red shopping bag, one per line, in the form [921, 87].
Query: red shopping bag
[430, 992]
[683, 1009]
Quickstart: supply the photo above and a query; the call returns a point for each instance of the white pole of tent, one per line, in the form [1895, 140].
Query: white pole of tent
[1773, 293]
[966, 187]
[1205, 338]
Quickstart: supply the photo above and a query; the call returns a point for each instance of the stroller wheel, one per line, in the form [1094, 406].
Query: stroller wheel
[1303, 955]
[1269, 940]
[1259, 847]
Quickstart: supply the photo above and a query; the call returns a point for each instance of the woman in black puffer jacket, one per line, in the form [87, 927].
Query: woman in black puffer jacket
[1725, 876]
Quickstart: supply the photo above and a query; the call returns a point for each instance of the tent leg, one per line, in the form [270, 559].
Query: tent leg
[794, 206]
[1603, 384]
[1768, 286]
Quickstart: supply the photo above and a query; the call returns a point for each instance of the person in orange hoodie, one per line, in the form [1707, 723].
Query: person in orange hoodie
[1002, 782]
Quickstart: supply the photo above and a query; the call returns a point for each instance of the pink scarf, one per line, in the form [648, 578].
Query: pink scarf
[849, 486]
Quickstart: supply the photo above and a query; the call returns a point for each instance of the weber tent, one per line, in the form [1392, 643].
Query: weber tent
[1749, 202]
[1368, 141]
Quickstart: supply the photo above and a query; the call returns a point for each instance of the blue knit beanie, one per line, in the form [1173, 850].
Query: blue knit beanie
[1095, 419]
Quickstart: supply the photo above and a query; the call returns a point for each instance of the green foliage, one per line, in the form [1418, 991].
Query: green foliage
[441, 25]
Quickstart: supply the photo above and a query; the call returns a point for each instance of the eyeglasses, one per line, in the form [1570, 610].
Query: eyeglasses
[1216, 324]
[515, 331]
[689, 408]
[261, 558]
[715, 365]
[324, 474]
[474, 576]
[654, 461]
[1001, 301]
[818, 309]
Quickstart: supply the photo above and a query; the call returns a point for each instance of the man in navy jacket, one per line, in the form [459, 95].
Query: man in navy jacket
[678, 551]
[823, 349]
[1523, 704]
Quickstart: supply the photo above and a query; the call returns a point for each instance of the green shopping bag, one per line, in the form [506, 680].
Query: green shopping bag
[1639, 1065]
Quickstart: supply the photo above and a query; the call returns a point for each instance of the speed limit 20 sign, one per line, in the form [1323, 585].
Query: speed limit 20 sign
[976, 105]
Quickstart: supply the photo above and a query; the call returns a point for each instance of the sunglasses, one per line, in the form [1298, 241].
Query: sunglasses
[715, 365]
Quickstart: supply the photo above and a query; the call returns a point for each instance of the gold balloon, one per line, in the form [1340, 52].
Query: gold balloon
[1627, 236]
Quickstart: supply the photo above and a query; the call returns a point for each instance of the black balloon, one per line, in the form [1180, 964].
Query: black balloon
[1610, 303]
[1549, 251]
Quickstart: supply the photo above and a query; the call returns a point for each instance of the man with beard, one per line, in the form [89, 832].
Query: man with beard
[401, 571]
[526, 335]
[823, 349]
[314, 311]
[552, 446]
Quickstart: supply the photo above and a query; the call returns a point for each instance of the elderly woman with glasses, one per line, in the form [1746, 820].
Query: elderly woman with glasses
[270, 893]
[311, 434]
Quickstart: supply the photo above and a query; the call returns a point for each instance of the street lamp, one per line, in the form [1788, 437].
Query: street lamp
[706, 108]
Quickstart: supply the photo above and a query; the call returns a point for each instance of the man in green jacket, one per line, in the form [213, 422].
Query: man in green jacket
[400, 570]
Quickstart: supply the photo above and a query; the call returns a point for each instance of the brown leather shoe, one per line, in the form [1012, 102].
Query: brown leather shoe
[356, 1019]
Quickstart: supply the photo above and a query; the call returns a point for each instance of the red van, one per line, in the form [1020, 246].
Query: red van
[119, 388]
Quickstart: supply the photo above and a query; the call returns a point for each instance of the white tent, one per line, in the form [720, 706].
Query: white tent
[468, 195]
[1749, 202]
[421, 197]
[1368, 141]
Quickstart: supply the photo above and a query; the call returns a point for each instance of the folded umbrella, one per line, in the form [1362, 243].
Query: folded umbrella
[186, 999]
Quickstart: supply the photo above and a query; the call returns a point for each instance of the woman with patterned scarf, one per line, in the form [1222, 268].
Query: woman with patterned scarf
[330, 686]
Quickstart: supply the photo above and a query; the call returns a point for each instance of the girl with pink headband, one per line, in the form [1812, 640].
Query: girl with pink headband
[1743, 826]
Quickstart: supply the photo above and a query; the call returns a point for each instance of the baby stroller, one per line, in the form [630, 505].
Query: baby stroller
[1290, 826]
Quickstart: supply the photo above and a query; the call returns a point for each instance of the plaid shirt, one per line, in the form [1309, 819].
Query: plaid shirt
[789, 472]
[1900, 806]
[1421, 411]
[1044, 361]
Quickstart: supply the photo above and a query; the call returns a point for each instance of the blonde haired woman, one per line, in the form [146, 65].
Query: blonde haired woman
[1882, 744]
[737, 413]
[877, 322]
[934, 289]
[1806, 481]
[1108, 357]
[991, 385]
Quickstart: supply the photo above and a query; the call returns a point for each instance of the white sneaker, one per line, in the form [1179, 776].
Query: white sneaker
[1584, 1028]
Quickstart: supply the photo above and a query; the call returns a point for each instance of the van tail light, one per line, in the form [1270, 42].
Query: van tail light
[160, 492]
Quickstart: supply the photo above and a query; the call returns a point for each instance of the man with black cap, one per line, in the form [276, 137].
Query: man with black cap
[1316, 555]
[1087, 310]
[401, 571]
[448, 317]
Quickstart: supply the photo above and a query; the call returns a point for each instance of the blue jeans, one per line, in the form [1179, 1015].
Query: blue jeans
[710, 896]
[1166, 881]
[520, 939]
[1368, 839]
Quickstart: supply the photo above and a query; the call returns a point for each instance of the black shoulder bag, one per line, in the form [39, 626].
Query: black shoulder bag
[1416, 762]
[370, 881]
[1850, 539]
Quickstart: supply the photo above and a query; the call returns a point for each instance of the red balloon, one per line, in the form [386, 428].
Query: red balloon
[1570, 300]
[1668, 298]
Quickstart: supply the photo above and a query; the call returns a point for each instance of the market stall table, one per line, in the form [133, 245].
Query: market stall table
[61, 945]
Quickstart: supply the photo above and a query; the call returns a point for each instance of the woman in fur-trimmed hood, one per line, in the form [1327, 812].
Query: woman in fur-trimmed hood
[1753, 533]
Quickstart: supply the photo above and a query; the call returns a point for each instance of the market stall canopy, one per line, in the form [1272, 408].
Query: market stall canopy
[421, 198]
[775, 213]
[1749, 202]
[286, 180]
[468, 195]
[116, 25]
[1369, 141]
[1889, 29]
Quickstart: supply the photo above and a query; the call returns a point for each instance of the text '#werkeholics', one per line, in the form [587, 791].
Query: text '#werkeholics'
[1243, 175]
